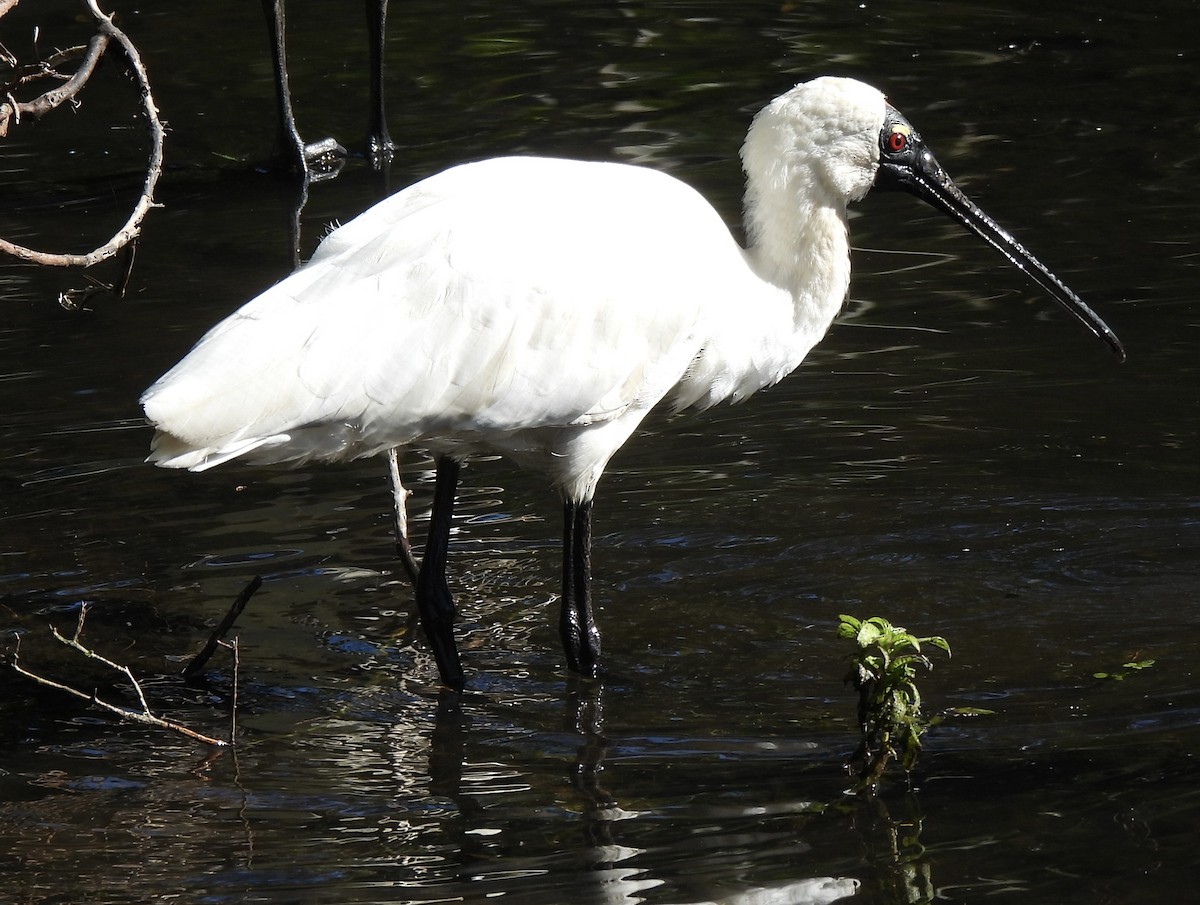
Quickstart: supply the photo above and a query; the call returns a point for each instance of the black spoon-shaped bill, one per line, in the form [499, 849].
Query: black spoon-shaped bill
[906, 165]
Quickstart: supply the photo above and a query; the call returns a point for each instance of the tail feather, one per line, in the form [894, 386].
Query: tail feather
[169, 451]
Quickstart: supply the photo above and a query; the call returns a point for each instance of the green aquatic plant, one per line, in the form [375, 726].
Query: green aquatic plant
[1126, 668]
[883, 670]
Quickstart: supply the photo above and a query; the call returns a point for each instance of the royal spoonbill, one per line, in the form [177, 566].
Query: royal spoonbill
[540, 308]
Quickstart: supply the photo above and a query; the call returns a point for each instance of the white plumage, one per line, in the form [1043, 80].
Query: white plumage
[538, 308]
[533, 306]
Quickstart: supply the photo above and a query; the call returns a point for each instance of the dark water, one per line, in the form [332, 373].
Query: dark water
[955, 456]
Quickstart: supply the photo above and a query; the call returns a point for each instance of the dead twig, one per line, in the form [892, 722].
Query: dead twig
[11, 110]
[42, 69]
[237, 666]
[77, 299]
[197, 662]
[143, 716]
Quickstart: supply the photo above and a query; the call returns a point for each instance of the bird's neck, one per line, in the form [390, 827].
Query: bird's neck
[798, 242]
[800, 259]
[795, 211]
[799, 268]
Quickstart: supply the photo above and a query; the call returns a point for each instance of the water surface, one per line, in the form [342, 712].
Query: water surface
[956, 456]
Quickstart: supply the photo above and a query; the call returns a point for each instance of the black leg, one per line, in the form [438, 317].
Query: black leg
[434, 602]
[291, 145]
[320, 160]
[379, 143]
[577, 626]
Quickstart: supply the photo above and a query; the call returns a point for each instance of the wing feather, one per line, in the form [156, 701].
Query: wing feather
[514, 294]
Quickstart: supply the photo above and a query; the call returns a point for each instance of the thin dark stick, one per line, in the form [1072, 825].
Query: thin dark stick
[77, 299]
[122, 285]
[197, 663]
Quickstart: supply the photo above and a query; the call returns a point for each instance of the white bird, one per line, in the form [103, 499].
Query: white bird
[540, 308]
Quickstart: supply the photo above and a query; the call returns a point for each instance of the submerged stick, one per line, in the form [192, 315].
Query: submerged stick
[197, 662]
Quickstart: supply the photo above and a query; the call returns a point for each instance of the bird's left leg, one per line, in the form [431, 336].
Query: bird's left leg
[400, 516]
[577, 626]
[434, 602]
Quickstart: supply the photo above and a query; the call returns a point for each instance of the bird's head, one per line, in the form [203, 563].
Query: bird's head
[822, 134]
[831, 140]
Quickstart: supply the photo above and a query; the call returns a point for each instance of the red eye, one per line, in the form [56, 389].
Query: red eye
[897, 142]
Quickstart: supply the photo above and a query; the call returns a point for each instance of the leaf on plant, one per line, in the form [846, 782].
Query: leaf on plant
[884, 669]
[848, 622]
[881, 623]
[939, 642]
[970, 711]
[868, 633]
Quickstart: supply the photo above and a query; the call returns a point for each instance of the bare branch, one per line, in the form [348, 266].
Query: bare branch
[75, 644]
[42, 105]
[144, 716]
[35, 72]
[46, 69]
[132, 227]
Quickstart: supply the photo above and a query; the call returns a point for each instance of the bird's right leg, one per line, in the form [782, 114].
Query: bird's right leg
[434, 602]
[400, 516]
